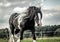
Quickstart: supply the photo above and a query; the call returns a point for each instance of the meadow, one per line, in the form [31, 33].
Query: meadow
[51, 39]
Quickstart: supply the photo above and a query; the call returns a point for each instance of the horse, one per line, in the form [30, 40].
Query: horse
[19, 22]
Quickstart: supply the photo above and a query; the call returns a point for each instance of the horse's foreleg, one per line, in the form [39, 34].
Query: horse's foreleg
[17, 37]
[11, 39]
[21, 35]
[20, 38]
[33, 34]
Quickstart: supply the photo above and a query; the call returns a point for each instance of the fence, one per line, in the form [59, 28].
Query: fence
[43, 34]
[28, 34]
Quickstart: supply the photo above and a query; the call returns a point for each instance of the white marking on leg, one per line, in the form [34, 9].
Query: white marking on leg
[18, 40]
[11, 39]
[34, 40]
[17, 37]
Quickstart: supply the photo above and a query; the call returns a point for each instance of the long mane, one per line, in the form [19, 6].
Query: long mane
[33, 11]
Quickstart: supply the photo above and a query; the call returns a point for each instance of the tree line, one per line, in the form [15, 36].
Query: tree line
[49, 31]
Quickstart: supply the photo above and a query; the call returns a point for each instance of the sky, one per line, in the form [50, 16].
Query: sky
[50, 10]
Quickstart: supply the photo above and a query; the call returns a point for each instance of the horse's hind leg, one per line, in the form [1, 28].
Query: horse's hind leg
[17, 36]
[11, 33]
[33, 34]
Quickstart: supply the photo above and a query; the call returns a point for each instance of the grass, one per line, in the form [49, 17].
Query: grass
[38, 40]
[3, 40]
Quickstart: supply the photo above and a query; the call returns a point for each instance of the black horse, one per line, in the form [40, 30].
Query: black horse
[19, 22]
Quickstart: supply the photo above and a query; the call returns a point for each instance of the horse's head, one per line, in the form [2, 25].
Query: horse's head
[38, 16]
[35, 12]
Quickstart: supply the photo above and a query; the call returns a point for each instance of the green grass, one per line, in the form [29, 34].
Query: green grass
[3, 40]
[38, 40]
[42, 40]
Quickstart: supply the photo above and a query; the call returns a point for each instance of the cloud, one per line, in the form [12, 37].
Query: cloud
[26, 2]
[51, 17]
[1, 3]
[19, 9]
[21, 3]
[56, 7]
[4, 21]
[5, 4]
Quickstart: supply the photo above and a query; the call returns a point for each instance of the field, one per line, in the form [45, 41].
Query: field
[55, 39]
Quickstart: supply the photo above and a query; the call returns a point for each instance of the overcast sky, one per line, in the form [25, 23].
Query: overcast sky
[50, 10]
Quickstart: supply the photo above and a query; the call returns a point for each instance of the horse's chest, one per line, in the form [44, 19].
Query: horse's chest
[20, 19]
